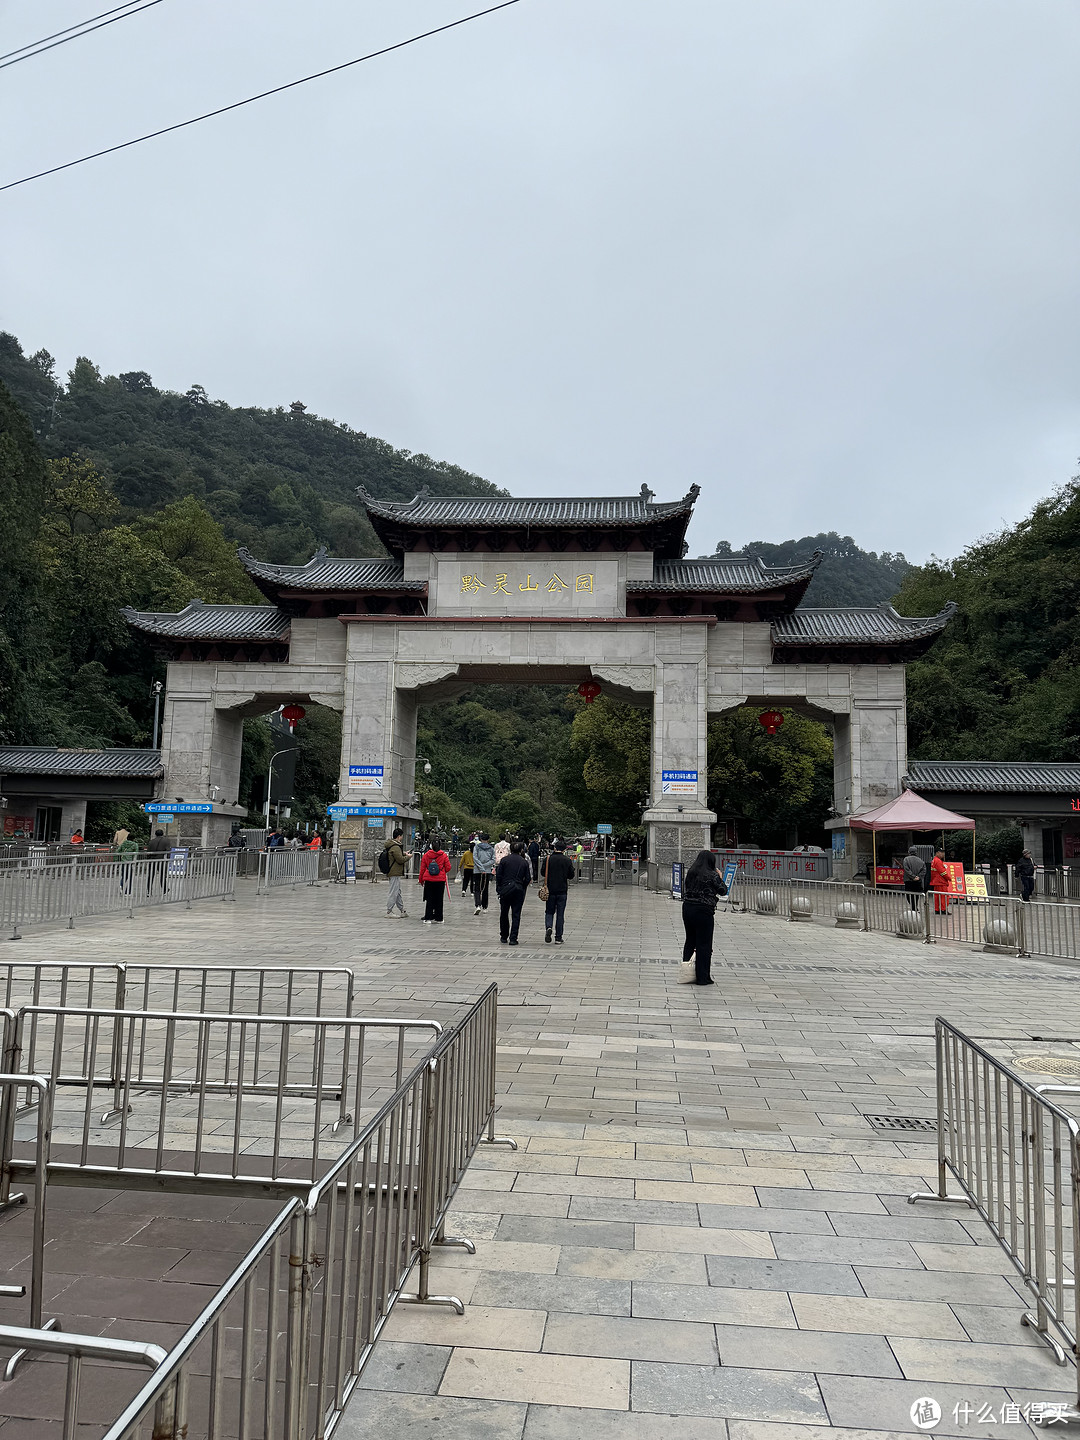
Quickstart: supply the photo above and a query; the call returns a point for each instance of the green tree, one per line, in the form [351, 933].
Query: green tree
[775, 783]
[847, 574]
[22, 642]
[606, 773]
[519, 809]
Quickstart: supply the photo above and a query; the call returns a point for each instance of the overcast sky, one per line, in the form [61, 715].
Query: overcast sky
[818, 256]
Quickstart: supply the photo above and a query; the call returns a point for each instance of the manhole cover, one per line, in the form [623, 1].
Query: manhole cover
[902, 1122]
[1058, 1065]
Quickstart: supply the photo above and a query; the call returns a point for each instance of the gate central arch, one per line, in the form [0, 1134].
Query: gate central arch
[498, 590]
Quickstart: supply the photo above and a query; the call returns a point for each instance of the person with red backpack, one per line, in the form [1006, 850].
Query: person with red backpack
[435, 870]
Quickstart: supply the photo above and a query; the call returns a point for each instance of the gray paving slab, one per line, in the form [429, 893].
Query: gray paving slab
[694, 1167]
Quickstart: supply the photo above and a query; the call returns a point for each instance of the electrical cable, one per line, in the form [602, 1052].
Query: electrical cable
[251, 99]
[85, 27]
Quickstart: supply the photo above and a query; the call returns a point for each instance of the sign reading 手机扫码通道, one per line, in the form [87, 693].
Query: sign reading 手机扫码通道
[365, 777]
[678, 782]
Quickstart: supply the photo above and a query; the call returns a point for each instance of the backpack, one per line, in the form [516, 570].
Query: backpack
[383, 861]
[434, 869]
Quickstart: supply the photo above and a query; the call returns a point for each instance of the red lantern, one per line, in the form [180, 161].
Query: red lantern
[293, 713]
[772, 720]
[588, 690]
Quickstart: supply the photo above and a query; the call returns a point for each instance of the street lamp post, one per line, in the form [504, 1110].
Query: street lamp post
[269, 779]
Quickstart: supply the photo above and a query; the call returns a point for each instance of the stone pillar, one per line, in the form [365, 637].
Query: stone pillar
[200, 749]
[379, 718]
[679, 823]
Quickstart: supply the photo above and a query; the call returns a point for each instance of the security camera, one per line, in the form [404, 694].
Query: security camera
[427, 767]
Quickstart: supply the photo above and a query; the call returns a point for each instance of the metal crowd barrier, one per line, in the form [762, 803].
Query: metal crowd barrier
[1000, 922]
[279, 1349]
[281, 867]
[215, 1101]
[77, 1348]
[253, 989]
[1016, 1157]
[71, 891]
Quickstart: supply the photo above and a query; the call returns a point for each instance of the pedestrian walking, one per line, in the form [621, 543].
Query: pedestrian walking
[512, 876]
[502, 849]
[465, 868]
[435, 869]
[940, 882]
[128, 850]
[396, 858]
[534, 857]
[914, 874]
[237, 839]
[483, 853]
[159, 847]
[558, 872]
[1025, 869]
[702, 887]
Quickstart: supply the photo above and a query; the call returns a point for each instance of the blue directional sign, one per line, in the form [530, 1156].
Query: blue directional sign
[603, 829]
[159, 807]
[342, 812]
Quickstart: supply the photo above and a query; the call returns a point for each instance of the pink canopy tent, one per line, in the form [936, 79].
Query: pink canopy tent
[911, 812]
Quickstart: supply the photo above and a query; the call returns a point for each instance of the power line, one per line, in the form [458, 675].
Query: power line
[84, 27]
[251, 99]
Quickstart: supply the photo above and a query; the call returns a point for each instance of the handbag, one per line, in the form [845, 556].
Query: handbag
[687, 972]
[542, 893]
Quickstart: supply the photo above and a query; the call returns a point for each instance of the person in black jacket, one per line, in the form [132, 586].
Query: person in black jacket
[702, 887]
[558, 872]
[512, 876]
[1025, 869]
[534, 856]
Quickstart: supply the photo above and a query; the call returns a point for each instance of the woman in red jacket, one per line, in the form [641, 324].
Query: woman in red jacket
[940, 880]
[434, 877]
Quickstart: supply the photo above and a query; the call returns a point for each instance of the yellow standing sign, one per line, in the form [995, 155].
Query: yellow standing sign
[975, 885]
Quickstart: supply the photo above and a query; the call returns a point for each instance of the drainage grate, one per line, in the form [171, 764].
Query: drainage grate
[1057, 1065]
[906, 1123]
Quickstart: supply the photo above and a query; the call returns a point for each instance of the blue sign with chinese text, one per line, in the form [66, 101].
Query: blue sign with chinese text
[342, 812]
[159, 807]
[678, 782]
[350, 864]
[178, 863]
[676, 880]
[603, 829]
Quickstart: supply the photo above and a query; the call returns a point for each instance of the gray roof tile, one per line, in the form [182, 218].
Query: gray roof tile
[856, 625]
[324, 572]
[198, 621]
[85, 764]
[734, 574]
[987, 776]
[611, 510]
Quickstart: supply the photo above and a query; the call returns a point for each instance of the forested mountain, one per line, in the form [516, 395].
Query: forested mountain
[1003, 680]
[280, 481]
[847, 574]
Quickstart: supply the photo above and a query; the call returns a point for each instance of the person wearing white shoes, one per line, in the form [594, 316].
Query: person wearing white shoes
[396, 856]
[483, 868]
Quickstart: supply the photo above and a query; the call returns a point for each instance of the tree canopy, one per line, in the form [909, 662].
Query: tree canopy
[847, 575]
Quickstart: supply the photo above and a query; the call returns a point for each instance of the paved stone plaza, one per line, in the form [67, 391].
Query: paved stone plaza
[699, 1235]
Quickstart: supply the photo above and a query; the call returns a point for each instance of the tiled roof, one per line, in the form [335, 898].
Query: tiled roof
[985, 776]
[198, 621]
[614, 510]
[731, 575]
[856, 625]
[323, 572]
[84, 764]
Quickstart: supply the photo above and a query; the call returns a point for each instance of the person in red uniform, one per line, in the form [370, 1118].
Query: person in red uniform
[940, 880]
[434, 877]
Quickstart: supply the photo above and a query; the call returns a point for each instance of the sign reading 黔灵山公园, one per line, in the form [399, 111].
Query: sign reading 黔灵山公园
[678, 782]
[533, 584]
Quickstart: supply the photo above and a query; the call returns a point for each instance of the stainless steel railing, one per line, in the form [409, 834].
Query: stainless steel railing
[77, 1348]
[304, 1308]
[1016, 1158]
[252, 989]
[68, 892]
[219, 1099]
[281, 867]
